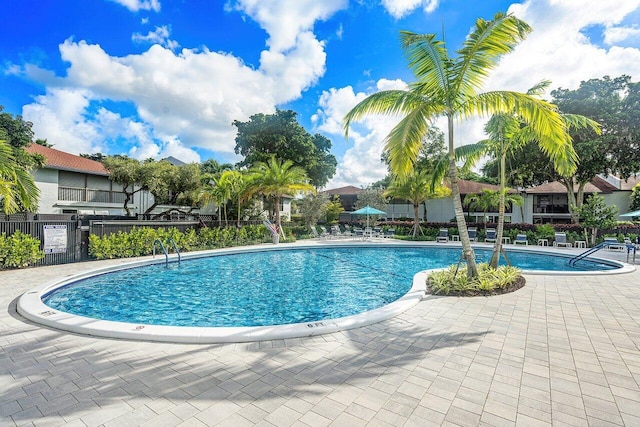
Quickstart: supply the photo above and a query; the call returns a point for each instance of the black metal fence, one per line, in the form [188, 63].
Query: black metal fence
[104, 228]
[76, 248]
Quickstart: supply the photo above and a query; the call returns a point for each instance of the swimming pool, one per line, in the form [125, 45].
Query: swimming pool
[249, 291]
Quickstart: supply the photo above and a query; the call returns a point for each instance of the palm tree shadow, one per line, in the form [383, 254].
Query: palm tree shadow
[95, 372]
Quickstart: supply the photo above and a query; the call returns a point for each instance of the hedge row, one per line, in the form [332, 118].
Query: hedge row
[19, 250]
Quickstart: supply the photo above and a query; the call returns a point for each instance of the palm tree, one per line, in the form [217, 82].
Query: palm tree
[507, 133]
[486, 200]
[18, 190]
[449, 87]
[416, 188]
[277, 178]
[216, 192]
[237, 185]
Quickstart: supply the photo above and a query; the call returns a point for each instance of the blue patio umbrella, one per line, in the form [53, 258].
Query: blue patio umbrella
[368, 210]
[632, 214]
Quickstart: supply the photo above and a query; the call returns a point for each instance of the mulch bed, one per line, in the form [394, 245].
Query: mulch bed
[520, 282]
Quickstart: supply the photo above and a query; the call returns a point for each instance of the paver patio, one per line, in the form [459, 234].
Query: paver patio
[563, 350]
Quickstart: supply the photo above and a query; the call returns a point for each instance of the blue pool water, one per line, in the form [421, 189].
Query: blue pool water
[269, 287]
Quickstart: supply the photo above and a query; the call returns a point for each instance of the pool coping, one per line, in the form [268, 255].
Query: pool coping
[31, 307]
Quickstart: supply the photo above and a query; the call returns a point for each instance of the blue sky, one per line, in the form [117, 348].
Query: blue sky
[153, 78]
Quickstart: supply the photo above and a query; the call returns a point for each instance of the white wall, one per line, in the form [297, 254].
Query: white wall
[47, 181]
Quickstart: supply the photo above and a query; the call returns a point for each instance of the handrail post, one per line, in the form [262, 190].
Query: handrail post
[166, 254]
[175, 246]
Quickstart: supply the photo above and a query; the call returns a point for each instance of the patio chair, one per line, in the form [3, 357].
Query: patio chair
[325, 233]
[560, 240]
[490, 235]
[390, 233]
[315, 233]
[521, 239]
[335, 231]
[473, 234]
[443, 236]
[377, 231]
[612, 243]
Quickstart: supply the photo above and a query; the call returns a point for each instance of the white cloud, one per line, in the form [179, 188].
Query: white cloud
[400, 8]
[190, 98]
[615, 35]
[159, 36]
[360, 165]
[558, 49]
[136, 5]
[285, 20]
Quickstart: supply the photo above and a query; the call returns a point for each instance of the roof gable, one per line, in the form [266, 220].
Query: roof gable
[56, 159]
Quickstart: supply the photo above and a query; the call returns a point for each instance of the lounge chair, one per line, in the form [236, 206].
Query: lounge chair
[377, 231]
[521, 239]
[612, 243]
[473, 234]
[560, 240]
[390, 233]
[315, 233]
[325, 233]
[490, 236]
[443, 236]
[335, 231]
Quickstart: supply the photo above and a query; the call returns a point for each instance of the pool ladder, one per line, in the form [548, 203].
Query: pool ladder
[164, 249]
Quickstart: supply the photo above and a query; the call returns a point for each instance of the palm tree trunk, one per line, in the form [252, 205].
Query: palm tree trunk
[497, 246]
[277, 209]
[416, 220]
[467, 250]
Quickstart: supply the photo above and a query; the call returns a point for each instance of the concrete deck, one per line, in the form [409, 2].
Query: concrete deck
[563, 350]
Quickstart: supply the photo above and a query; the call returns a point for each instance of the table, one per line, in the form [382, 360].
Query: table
[506, 240]
[455, 238]
[581, 244]
[543, 242]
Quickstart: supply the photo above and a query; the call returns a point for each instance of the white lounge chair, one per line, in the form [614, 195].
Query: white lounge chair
[490, 236]
[473, 234]
[443, 236]
[521, 239]
[612, 243]
[560, 240]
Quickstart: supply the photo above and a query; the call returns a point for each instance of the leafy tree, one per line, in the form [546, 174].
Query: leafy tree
[128, 173]
[276, 178]
[98, 157]
[635, 198]
[416, 188]
[213, 167]
[614, 104]
[18, 190]
[333, 209]
[280, 135]
[484, 201]
[595, 215]
[313, 206]
[372, 196]
[449, 87]
[14, 130]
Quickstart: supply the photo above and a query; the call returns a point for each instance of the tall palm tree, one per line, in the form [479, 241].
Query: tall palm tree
[416, 188]
[507, 133]
[449, 87]
[216, 192]
[18, 190]
[277, 178]
[485, 200]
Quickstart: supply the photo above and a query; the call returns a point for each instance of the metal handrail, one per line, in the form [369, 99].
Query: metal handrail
[175, 247]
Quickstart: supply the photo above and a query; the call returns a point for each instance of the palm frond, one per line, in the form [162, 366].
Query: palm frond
[428, 59]
[483, 48]
[577, 121]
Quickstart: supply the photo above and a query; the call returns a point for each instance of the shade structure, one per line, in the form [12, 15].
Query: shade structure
[368, 210]
[634, 213]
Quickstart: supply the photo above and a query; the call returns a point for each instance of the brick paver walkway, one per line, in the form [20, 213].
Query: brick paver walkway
[561, 351]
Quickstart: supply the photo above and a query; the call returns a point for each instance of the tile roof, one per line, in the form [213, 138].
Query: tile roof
[56, 159]
[344, 191]
[556, 187]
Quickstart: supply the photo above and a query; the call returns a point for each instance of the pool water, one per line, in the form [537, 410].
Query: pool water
[268, 287]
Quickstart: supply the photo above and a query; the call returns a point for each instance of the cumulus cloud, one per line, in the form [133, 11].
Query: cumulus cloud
[191, 97]
[286, 20]
[620, 34]
[158, 36]
[400, 8]
[136, 5]
[361, 164]
[558, 48]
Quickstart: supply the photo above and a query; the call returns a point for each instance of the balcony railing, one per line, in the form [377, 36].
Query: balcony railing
[70, 194]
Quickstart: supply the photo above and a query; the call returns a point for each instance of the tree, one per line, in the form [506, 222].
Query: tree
[372, 196]
[333, 209]
[280, 135]
[213, 167]
[449, 87]
[595, 215]
[416, 188]
[614, 104]
[635, 198]
[484, 201]
[18, 190]
[14, 130]
[277, 178]
[313, 206]
[126, 172]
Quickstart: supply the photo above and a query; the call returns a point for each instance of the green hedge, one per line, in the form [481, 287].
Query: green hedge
[19, 250]
[140, 241]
